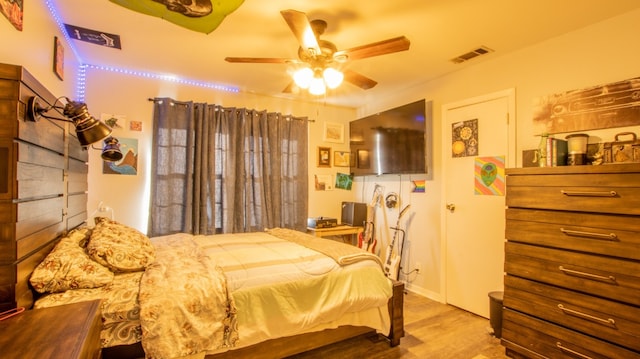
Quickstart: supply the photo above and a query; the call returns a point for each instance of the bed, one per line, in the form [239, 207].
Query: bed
[43, 209]
[279, 291]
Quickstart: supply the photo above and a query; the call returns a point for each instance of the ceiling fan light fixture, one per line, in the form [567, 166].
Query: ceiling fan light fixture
[317, 86]
[332, 77]
[303, 77]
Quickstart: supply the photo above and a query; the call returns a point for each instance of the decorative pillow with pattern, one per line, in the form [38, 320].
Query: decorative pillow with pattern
[119, 247]
[80, 235]
[67, 266]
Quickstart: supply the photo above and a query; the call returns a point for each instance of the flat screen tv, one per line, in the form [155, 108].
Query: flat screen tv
[394, 141]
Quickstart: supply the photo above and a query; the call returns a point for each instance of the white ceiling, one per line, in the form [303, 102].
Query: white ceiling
[439, 30]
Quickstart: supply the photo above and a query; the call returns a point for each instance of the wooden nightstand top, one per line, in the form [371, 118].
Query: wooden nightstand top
[65, 332]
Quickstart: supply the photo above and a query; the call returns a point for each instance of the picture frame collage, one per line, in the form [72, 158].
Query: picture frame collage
[328, 158]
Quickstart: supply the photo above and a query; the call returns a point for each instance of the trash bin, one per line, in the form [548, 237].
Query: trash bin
[495, 313]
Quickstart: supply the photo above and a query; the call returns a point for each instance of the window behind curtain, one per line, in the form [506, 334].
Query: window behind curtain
[223, 170]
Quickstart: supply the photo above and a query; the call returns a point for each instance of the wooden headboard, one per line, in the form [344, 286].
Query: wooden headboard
[43, 184]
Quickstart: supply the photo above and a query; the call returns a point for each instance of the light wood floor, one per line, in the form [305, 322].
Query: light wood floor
[432, 330]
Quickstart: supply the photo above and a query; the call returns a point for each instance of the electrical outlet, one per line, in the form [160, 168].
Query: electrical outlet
[418, 267]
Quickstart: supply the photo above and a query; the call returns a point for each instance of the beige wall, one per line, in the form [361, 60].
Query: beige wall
[33, 48]
[601, 53]
[598, 54]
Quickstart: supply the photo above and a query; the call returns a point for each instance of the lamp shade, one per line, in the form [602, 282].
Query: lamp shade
[302, 77]
[332, 77]
[317, 86]
[111, 150]
[88, 129]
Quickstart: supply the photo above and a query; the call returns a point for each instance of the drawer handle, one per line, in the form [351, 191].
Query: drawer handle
[609, 322]
[604, 236]
[565, 349]
[589, 194]
[610, 278]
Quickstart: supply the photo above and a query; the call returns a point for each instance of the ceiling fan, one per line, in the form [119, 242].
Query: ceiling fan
[319, 61]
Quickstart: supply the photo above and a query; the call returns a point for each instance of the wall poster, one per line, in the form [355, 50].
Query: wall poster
[464, 138]
[489, 176]
[128, 165]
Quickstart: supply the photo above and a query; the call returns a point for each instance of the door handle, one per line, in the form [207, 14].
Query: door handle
[451, 207]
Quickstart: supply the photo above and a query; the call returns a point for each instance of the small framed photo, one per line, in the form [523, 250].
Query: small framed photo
[341, 158]
[333, 132]
[58, 58]
[323, 182]
[324, 156]
[135, 125]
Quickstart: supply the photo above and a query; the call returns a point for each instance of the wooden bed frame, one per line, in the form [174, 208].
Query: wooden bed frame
[31, 224]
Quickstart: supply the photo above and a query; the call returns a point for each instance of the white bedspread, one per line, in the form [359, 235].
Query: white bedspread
[282, 288]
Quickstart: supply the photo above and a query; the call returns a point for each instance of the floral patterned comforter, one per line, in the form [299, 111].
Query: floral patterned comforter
[196, 313]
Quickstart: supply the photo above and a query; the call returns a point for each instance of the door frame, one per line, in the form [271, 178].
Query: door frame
[510, 161]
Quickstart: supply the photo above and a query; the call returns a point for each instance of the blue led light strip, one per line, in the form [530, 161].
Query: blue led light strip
[82, 69]
[170, 78]
[56, 18]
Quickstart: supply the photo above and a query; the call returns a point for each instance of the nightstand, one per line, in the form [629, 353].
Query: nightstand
[65, 332]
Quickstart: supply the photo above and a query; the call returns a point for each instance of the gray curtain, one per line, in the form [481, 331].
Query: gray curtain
[226, 170]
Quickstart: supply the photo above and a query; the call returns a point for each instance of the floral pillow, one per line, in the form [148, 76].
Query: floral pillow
[67, 266]
[80, 236]
[119, 247]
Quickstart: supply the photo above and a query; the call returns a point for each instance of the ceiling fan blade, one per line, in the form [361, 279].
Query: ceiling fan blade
[261, 60]
[359, 80]
[289, 88]
[301, 28]
[388, 46]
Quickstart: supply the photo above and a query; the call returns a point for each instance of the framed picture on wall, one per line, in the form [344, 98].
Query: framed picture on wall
[324, 156]
[341, 158]
[58, 58]
[333, 132]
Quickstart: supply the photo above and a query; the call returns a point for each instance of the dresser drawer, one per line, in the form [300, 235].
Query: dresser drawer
[605, 277]
[551, 341]
[610, 235]
[612, 321]
[605, 199]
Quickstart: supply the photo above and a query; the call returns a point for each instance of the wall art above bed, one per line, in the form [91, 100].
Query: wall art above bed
[128, 165]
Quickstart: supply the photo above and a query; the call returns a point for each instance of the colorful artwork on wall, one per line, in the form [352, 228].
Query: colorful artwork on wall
[197, 15]
[419, 186]
[128, 165]
[344, 181]
[464, 138]
[58, 57]
[489, 176]
[12, 10]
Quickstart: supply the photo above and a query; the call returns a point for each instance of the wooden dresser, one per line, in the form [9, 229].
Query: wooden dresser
[572, 262]
[43, 183]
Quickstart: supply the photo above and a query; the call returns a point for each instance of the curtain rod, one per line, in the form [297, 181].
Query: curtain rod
[150, 99]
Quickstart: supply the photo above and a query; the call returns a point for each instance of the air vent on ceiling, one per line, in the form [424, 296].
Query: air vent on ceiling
[482, 50]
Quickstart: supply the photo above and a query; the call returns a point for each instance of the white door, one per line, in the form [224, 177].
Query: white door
[474, 224]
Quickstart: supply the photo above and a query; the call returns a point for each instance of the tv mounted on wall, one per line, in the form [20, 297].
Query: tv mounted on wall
[394, 141]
